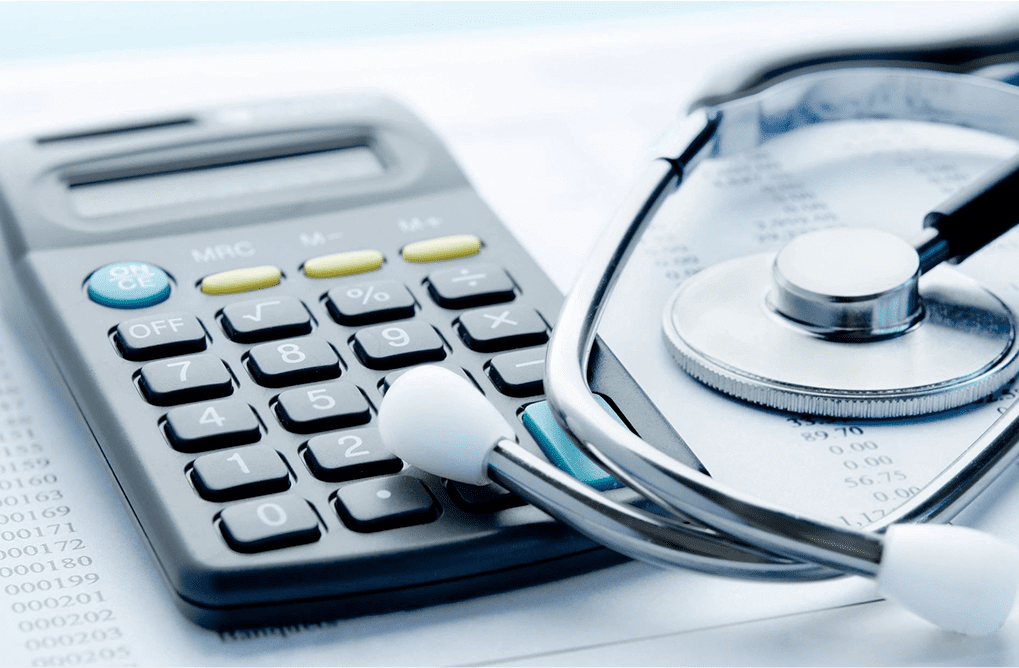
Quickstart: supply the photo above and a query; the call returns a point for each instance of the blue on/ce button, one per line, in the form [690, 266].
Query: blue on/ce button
[129, 285]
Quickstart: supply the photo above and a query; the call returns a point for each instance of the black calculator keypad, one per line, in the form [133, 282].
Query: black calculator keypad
[266, 319]
[293, 361]
[473, 285]
[370, 303]
[385, 503]
[212, 425]
[271, 523]
[160, 335]
[243, 462]
[348, 455]
[185, 379]
[394, 346]
[322, 407]
[240, 473]
[502, 328]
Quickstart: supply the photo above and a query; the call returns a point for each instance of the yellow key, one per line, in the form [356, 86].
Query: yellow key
[241, 280]
[443, 248]
[343, 264]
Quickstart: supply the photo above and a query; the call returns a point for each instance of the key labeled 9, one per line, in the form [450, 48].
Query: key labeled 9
[392, 346]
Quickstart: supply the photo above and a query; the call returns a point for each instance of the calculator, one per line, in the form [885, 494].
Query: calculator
[228, 295]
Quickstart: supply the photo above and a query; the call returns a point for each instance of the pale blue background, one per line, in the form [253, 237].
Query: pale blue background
[44, 30]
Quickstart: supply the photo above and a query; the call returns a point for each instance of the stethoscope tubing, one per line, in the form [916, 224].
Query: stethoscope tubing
[657, 539]
[960, 55]
[685, 492]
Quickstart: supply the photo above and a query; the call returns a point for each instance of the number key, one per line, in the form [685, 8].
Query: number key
[347, 455]
[268, 524]
[331, 406]
[240, 473]
[212, 425]
[185, 379]
[392, 346]
[292, 362]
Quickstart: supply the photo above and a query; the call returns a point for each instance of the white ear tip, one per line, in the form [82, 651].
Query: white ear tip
[958, 578]
[436, 420]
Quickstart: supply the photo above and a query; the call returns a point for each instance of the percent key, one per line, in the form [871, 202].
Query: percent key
[370, 303]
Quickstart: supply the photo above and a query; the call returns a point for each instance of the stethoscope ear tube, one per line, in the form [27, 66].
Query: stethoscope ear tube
[977, 215]
[958, 55]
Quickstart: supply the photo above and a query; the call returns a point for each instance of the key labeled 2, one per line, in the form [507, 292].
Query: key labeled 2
[348, 455]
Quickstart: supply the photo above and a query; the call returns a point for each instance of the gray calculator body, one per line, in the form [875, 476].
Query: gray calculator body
[277, 185]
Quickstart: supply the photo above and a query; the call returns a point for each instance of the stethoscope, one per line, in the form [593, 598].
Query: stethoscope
[957, 578]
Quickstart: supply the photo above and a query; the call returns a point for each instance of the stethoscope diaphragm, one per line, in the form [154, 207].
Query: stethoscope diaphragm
[840, 323]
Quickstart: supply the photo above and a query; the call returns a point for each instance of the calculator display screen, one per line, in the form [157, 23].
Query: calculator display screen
[156, 191]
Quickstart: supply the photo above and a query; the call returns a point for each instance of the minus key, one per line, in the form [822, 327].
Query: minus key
[519, 373]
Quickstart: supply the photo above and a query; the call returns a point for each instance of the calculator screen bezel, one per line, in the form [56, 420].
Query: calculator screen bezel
[40, 175]
[190, 182]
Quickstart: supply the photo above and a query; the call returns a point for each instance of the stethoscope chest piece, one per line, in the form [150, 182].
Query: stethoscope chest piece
[840, 323]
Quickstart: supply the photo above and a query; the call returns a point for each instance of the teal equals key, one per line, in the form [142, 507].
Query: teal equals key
[561, 451]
